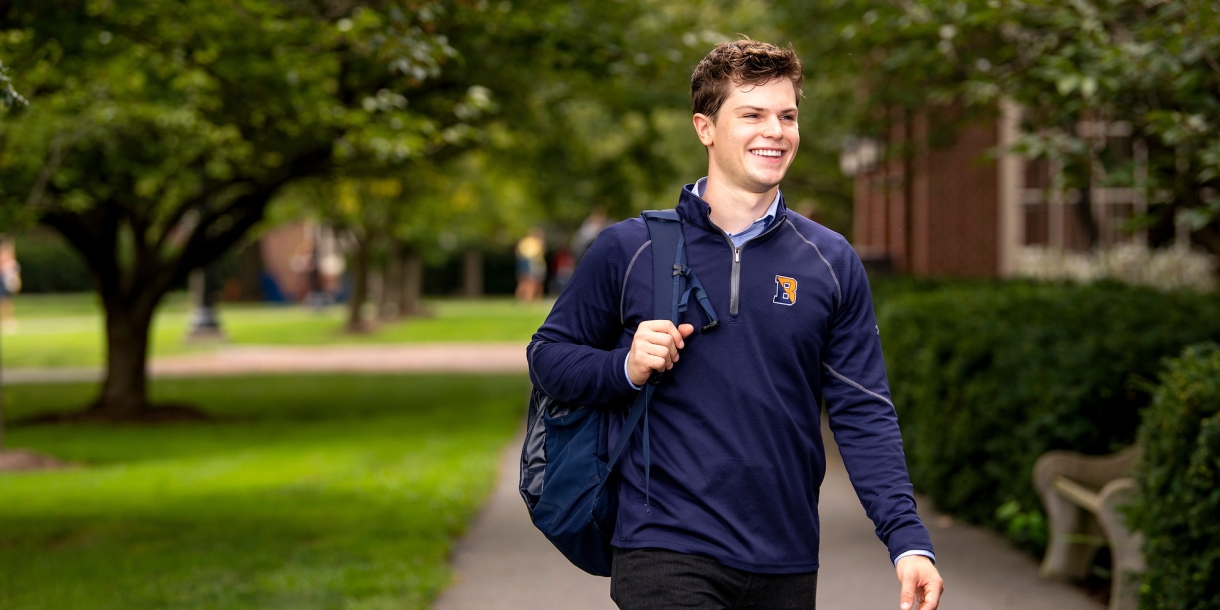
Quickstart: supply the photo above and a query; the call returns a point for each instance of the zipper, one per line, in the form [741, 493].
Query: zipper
[735, 285]
[735, 282]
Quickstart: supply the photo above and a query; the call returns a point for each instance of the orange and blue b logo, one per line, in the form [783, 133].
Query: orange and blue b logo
[785, 290]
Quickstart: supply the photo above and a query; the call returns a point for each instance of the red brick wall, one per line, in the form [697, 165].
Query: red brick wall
[961, 232]
[949, 226]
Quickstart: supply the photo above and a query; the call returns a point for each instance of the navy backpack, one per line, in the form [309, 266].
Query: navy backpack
[567, 466]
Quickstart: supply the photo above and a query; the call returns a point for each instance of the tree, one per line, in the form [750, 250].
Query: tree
[1153, 66]
[573, 106]
[160, 131]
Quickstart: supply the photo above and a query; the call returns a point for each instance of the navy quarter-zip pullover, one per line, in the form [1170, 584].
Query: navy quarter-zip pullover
[737, 457]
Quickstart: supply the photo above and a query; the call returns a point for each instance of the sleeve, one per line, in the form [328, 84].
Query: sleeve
[863, 420]
[573, 357]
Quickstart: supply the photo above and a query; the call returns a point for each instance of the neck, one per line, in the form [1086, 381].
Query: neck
[734, 209]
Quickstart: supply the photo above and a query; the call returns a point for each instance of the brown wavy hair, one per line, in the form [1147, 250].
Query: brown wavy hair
[741, 62]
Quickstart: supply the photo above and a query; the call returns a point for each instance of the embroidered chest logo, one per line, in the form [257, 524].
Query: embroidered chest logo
[785, 290]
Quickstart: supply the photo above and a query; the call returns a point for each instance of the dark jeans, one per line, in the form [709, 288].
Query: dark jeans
[647, 579]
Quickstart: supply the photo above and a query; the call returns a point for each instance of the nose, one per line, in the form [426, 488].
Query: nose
[772, 128]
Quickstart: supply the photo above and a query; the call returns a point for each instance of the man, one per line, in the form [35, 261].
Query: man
[727, 515]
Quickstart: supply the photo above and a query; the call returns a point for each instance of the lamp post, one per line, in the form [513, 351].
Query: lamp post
[859, 155]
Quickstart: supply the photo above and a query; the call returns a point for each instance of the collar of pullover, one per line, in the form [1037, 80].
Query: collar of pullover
[694, 210]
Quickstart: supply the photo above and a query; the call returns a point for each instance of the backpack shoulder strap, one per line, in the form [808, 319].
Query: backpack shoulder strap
[665, 230]
[668, 252]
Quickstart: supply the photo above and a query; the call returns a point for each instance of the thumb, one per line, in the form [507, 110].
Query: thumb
[685, 330]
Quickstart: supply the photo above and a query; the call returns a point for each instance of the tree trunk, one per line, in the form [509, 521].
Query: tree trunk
[125, 391]
[472, 273]
[360, 287]
[375, 295]
[412, 287]
[391, 283]
[1084, 214]
[251, 272]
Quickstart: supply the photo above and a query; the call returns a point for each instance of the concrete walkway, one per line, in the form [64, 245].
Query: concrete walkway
[504, 563]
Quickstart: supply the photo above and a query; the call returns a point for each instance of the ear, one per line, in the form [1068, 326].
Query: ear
[703, 128]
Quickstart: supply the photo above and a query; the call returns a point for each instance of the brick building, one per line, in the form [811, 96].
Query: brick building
[962, 209]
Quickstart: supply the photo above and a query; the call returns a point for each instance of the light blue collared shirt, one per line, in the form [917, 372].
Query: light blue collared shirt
[755, 229]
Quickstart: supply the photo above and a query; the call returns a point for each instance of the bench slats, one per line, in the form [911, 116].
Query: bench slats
[1078, 494]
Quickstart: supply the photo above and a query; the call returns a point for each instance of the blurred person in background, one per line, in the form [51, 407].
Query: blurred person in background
[10, 282]
[592, 226]
[531, 265]
[563, 265]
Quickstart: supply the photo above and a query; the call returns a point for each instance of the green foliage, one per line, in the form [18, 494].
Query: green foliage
[1178, 503]
[159, 132]
[8, 96]
[1150, 65]
[305, 492]
[988, 376]
[50, 265]
[173, 117]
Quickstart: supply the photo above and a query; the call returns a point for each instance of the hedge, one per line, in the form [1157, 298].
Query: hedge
[988, 376]
[1177, 506]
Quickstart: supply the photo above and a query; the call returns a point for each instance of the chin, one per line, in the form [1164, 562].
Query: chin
[766, 183]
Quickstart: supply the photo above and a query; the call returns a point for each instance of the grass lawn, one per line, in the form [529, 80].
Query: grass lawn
[341, 491]
[67, 330]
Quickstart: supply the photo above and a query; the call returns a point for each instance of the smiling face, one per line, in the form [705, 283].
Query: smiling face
[753, 137]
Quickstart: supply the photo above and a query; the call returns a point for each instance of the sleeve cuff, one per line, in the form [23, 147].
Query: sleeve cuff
[927, 554]
[627, 376]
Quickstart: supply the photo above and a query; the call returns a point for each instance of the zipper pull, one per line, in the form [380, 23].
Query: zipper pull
[736, 255]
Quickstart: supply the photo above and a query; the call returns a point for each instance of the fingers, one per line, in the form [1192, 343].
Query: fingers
[655, 348]
[930, 600]
[665, 328]
[906, 600]
[920, 581]
[660, 357]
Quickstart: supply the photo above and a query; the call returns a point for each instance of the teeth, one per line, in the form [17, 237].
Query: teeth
[767, 153]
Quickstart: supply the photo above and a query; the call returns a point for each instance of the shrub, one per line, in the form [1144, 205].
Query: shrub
[1177, 505]
[988, 376]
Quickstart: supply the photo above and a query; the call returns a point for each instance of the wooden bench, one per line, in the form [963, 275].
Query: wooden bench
[1081, 494]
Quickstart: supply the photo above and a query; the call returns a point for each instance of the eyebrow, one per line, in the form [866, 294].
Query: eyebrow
[761, 109]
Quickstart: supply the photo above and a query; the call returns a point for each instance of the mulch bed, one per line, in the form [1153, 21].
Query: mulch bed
[25, 460]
